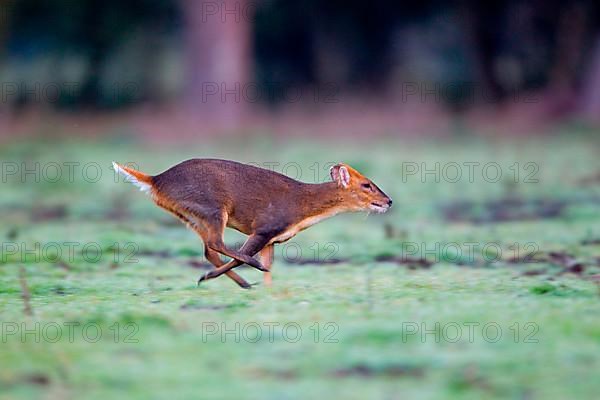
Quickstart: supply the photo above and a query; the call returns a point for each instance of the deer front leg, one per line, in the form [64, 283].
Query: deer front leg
[240, 257]
[213, 257]
[214, 240]
[253, 245]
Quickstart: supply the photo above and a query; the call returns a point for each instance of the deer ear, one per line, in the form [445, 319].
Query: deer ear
[340, 174]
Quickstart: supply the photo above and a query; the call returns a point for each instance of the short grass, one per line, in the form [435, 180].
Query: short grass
[468, 289]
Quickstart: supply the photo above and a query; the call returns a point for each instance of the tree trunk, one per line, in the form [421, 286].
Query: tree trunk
[218, 58]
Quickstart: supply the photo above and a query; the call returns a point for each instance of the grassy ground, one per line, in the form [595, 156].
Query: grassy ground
[469, 288]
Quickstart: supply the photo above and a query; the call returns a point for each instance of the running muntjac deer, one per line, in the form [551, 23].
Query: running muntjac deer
[209, 195]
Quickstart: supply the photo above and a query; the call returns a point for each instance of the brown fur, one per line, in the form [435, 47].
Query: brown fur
[210, 194]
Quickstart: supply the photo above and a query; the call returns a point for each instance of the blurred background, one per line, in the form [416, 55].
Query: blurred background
[180, 68]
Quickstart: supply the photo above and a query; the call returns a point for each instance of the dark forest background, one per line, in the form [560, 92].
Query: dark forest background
[115, 55]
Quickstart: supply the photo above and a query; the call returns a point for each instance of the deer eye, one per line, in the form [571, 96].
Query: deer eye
[367, 186]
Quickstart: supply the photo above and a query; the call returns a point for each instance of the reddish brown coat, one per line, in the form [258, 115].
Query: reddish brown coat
[209, 194]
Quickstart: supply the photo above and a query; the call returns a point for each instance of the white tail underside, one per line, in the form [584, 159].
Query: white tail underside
[144, 187]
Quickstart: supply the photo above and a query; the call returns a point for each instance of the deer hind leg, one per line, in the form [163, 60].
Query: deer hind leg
[266, 257]
[211, 255]
[214, 240]
[253, 245]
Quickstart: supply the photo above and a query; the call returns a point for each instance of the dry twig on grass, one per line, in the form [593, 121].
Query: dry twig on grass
[25, 293]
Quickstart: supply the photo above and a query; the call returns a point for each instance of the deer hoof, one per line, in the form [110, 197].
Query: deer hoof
[202, 278]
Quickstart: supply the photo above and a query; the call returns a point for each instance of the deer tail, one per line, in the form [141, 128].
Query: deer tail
[139, 179]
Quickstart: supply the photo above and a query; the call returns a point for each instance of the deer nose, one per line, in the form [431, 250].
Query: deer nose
[390, 202]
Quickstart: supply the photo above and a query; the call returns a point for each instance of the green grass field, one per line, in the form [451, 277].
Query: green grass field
[473, 285]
